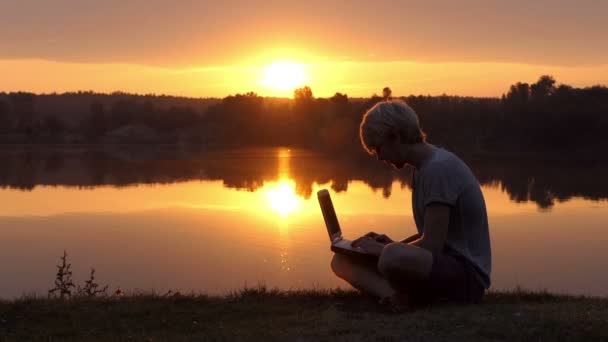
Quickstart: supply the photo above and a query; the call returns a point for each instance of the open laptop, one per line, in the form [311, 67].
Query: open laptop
[338, 244]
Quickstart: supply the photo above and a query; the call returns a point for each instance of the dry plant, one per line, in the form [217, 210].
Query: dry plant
[63, 279]
[64, 286]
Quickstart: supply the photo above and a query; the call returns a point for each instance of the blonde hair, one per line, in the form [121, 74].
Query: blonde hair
[388, 120]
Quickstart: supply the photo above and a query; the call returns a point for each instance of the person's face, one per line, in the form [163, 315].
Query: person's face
[389, 152]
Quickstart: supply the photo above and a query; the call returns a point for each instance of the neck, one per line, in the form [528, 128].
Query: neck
[416, 154]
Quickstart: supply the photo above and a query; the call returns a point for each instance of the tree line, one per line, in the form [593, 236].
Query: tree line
[27, 167]
[537, 116]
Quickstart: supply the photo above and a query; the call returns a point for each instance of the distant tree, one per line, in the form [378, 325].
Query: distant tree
[303, 94]
[518, 94]
[564, 90]
[339, 99]
[386, 93]
[545, 86]
[340, 104]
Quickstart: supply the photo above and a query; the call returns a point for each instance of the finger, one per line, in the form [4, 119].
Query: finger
[383, 238]
[367, 245]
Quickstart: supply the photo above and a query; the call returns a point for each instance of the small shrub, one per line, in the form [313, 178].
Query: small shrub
[91, 288]
[63, 279]
[64, 286]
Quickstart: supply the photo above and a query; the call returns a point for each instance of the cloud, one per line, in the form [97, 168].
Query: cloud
[191, 33]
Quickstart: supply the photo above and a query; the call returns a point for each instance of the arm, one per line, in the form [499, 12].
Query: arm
[411, 238]
[436, 221]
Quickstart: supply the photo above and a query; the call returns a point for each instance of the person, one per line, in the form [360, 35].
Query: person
[449, 259]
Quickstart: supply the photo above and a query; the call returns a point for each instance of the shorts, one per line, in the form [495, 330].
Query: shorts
[452, 280]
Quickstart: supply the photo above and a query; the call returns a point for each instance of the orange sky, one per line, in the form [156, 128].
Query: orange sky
[195, 48]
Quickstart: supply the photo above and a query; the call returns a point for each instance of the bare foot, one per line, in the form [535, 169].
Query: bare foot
[397, 303]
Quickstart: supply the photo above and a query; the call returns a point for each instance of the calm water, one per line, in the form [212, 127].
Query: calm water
[217, 221]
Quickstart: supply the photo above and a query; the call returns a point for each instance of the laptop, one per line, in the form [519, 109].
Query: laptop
[338, 243]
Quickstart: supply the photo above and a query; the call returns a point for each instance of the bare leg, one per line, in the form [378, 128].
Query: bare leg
[404, 262]
[399, 265]
[362, 276]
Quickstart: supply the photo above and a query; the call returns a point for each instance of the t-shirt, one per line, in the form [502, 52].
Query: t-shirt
[444, 178]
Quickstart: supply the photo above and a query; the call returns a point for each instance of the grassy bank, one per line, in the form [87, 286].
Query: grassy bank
[260, 314]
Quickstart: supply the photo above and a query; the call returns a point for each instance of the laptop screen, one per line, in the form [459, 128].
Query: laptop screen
[329, 214]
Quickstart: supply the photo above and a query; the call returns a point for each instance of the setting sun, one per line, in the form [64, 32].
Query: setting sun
[282, 198]
[283, 76]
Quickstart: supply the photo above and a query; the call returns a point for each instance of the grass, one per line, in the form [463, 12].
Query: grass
[263, 314]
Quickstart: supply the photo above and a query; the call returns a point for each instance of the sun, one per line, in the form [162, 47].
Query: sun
[283, 76]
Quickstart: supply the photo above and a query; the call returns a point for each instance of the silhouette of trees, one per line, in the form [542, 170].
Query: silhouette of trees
[5, 120]
[544, 116]
[540, 117]
[23, 110]
[518, 95]
[27, 114]
[123, 112]
[544, 87]
[238, 117]
[96, 123]
[53, 126]
[340, 104]
[303, 95]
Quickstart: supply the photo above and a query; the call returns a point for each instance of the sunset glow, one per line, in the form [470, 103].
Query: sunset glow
[275, 49]
[283, 76]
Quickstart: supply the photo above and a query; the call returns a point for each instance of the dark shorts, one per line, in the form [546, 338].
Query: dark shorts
[452, 280]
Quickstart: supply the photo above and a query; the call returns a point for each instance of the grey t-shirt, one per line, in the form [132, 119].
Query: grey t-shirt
[444, 178]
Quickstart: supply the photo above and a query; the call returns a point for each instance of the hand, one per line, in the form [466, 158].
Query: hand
[382, 238]
[368, 245]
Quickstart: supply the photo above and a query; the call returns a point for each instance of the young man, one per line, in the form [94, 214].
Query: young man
[450, 257]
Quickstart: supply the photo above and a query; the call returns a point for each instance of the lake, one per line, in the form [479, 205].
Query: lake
[214, 221]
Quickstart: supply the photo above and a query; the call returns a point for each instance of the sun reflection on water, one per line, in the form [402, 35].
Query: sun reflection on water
[282, 197]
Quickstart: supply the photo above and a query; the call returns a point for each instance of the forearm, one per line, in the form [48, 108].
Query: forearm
[426, 243]
[411, 238]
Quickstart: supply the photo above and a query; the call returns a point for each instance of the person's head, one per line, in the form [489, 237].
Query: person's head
[387, 127]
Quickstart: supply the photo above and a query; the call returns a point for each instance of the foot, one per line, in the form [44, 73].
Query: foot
[397, 303]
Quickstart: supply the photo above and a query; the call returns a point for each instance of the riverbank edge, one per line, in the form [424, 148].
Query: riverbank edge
[313, 314]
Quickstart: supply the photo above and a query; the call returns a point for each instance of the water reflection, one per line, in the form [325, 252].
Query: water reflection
[544, 183]
[282, 197]
[173, 238]
[217, 220]
[201, 236]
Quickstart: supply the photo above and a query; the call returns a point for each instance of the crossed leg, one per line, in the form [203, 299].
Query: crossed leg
[362, 275]
[399, 265]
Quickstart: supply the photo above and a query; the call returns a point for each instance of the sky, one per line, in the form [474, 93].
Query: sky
[213, 49]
